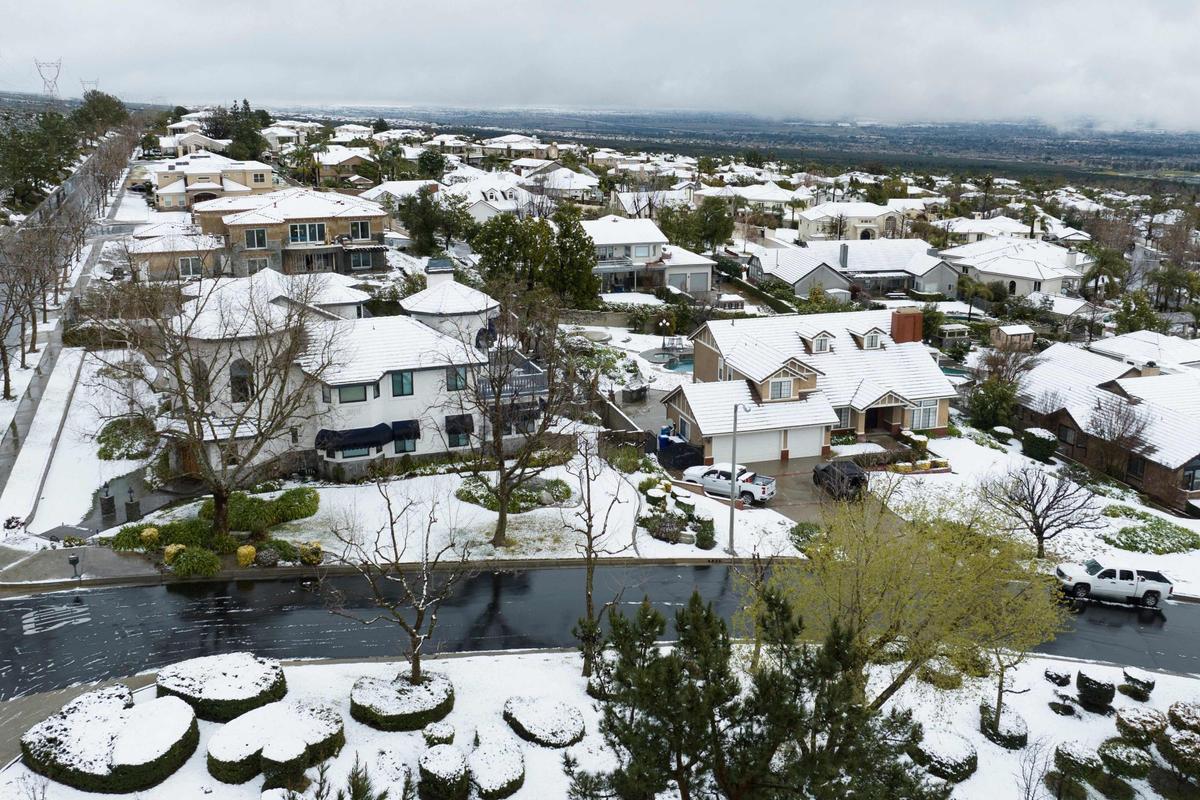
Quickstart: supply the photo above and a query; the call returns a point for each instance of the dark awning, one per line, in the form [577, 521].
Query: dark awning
[364, 248]
[460, 423]
[406, 429]
[377, 436]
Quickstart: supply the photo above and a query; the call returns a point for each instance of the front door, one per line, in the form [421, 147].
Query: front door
[872, 421]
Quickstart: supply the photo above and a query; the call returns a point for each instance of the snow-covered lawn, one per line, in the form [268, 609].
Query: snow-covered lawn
[484, 683]
[132, 207]
[632, 345]
[972, 463]
[630, 299]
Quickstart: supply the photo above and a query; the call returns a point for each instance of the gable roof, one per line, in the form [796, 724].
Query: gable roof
[448, 298]
[370, 348]
[711, 404]
[296, 203]
[611, 230]
[1143, 347]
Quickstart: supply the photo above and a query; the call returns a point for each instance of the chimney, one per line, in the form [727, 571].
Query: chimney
[438, 271]
[906, 325]
[844, 255]
[1149, 370]
[1072, 256]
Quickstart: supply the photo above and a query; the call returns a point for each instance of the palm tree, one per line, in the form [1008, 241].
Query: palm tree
[971, 289]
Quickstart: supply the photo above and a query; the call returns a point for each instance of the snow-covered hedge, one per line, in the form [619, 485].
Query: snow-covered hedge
[1058, 678]
[284, 759]
[1140, 726]
[1038, 444]
[946, 754]
[246, 746]
[398, 704]
[1181, 749]
[1094, 695]
[1123, 759]
[1185, 715]
[102, 742]
[391, 772]
[225, 686]
[1078, 761]
[497, 764]
[1009, 732]
[443, 770]
[543, 721]
[438, 733]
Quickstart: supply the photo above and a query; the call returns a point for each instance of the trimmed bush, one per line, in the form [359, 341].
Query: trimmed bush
[706, 534]
[245, 555]
[1063, 788]
[1140, 726]
[1038, 444]
[1077, 761]
[1181, 749]
[1112, 787]
[311, 554]
[438, 733]
[284, 760]
[1011, 732]
[299, 503]
[497, 765]
[1123, 759]
[1058, 678]
[258, 515]
[443, 770]
[947, 755]
[398, 705]
[126, 438]
[171, 552]
[196, 562]
[543, 721]
[941, 674]
[1185, 715]
[1062, 709]
[149, 538]
[287, 551]
[1139, 679]
[225, 686]
[235, 750]
[1094, 695]
[626, 458]
[266, 558]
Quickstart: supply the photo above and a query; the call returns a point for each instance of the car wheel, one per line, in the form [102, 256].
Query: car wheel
[1081, 591]
[816, 480]
[1150, 600]
[747, 498]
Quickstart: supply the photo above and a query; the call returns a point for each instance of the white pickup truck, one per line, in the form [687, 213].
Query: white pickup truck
[715, 479]
[1120, 582]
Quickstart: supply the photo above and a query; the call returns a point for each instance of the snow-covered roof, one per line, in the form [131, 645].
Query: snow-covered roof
[612, 230]
[1143, 347]
[1059, 304]
[448, 298]
[370, 348]
[1179, 391]
[177, 243]
[335, 154]
[910, 256]
[293, 204]
[1020, 258]
[1016, 329]
[712, 405]
[637, 202]
[397, 189]
[563, 180]
[844, 209]
[992, 226]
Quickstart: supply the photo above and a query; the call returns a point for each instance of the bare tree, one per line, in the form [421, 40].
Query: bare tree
[836, 226]
[590, 521]
[407, 572]
[229, 372]
[1033, 762]
[1045, 505]
[1008, 364]
[1118, 432]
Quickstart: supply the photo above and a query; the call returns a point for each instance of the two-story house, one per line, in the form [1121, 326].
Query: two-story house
[203, 176]
[849, 220]
[1023, 266]
[298, 230]
[797, 379]
[879, 266]
[634, 255]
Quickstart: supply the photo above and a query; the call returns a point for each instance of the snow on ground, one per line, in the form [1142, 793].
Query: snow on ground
[858, 448]
[630, 299]
[483, 683]
[632, 345]
[132, 207]
[972, 463]
[18, 382]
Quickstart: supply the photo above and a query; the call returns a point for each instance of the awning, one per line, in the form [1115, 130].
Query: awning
[406, 429]
[377, 436]
[460, 423]
[364, 248]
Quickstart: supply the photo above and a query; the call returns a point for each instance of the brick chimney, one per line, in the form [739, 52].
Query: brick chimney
[1149, 370]
[907, 325]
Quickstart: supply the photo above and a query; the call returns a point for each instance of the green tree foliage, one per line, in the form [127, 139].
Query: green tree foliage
[454, 218]
[431, 164]
[241, 124]
[754, 157]
[513, 250]
[569, 273]
[992, 403]
[703, 228]
[421, 215]
[380, 125]
[706, 165]
[36, 157]
[98, 113]
[931, 321]
[1136, 313]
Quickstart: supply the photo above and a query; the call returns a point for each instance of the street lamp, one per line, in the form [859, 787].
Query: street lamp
[733, 473]
[662, 329]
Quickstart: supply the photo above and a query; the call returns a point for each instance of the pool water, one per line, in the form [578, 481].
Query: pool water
[681, 364]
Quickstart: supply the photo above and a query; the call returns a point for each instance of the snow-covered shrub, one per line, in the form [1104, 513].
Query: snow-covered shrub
[284, 759]
[390, 772]
[438, 733]
[706, 534]
[443, 770]
[102, 742]
[497, 764]
[1181, 749]
[1078, 761]
[1185, 715]
[1094, 695]
[1123, 759]
[1140, 726]
[398, 704]
[1010, 731]
[266, 558]
[946, 755]
[1038, 444]
[1058, 678]
[1139, 679]
[543, 721]
[235, 751]
[225, 686]
[942, 674]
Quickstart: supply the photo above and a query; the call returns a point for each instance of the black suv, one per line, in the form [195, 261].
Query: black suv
[842, 480]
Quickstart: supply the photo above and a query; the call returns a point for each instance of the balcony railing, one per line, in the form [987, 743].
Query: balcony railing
[521, 385]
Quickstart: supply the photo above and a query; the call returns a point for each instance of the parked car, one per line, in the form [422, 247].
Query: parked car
[1114, 581]
[843, 480]
[715, 479]
[681, 456]
[140, 188]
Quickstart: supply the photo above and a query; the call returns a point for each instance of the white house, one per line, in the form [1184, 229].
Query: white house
[849, 220]
[634, 255]
[1023, 266]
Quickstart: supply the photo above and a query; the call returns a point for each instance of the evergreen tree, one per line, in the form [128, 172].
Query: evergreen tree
[420, 214]
[681, 226]
[1136, 313]
[715, 223]
[569, 273]
[380, 125]
[512, 249]
[431, 164]
[454, 218]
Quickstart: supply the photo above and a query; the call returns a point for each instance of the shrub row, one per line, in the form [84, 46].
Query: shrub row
[258, 515]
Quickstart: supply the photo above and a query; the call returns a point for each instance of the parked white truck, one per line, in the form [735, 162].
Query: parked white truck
[1114, 582]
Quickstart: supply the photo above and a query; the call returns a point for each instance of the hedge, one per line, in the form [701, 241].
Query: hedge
[397, 705]
[443, 770]
[1140, 726]
[1185, 715]
[196, 562]
[1011, 733]
[258, 515]
[940, 759]
[243, 769]
[223, 710]
[1123, 759]
[549, 723]
[1094, 695]
[1039, 448]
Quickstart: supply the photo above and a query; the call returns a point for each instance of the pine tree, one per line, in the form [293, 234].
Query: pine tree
[569, 273]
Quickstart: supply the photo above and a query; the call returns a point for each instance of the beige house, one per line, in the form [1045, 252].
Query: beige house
[202, 176]
[849, 220]
[177, 257]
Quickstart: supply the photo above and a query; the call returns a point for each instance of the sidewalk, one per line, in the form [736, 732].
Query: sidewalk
[51, 567]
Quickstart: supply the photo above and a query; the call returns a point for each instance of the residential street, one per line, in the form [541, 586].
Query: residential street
[54, 640]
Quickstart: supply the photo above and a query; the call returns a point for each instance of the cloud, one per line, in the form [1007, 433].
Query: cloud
[1120, 64]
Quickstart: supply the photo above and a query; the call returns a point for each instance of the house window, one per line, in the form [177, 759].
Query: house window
[1135, 467]
[964, 269]
[1037, 286]
[1191, 477]
[456, 379]
[295, 434]
[781, 389]
[190, 267]
[360, 260]
[304, 232]
[1066, 435]
[458, 430]
[641, 251]
[254, 265]
[326, 394]
[256, 238]
[260, 177]
[241, 383]
[925, 415]
[821, 344]
[352, 394]
[406, 445]
[872, 341]
[843, 417]
[685, 429]
[360, 229]
[355, 452]
[402, 383]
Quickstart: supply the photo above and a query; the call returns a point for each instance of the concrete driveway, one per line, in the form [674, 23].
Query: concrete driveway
[795, 495]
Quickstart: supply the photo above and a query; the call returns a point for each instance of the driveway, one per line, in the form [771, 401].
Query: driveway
[795, 496]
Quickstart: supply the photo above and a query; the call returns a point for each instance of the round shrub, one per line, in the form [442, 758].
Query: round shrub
[1094, 695]
[1058, 678]
[235, 750]
[266, 557]
[1062, 709]
[196, 562]
[1134, 692]
[1181, 749]
[287, 551]
[706, 536]
[1010, 731]
[1139, 679]
[294, 504]
[245, 555]
[311, 554]
[438, 733]
[225, 686]
[946, 755]
[149, 538]
[190, 532]
[543, 721]
[497, 765]
[1185, 715]
[1039, 444]
[171, 552]
[443, 770]
[941, 674]
[126, 438]
[1075, 760]
[398, 704]
[284, 760]
[1140, 726]
[1123, 759]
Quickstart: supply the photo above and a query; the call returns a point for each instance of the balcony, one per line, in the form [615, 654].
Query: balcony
[526, 379]
[621, 264]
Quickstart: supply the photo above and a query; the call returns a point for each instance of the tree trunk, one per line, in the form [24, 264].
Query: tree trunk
[999, 694]
[21, 342]
[414, 659]
[33, 330]
[589, 610]
[498, 538]
[220, 518]
[4, 363]
[1041, 551]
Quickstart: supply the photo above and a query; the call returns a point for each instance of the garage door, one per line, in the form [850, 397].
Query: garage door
[751, 447]
[804, 442]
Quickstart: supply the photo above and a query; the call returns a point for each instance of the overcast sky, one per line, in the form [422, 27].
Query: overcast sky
[1122, 64]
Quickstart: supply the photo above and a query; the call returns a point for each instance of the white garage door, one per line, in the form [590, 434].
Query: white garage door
[804, 442]
[751, 447]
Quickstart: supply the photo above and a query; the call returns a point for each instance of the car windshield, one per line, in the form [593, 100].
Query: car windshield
[1092, 566]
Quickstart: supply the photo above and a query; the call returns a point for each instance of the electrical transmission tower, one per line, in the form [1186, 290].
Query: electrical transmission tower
[89, 86]
[49, 71]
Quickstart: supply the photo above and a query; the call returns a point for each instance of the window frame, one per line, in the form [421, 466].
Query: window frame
[314, 233]
[785, 385]
[193, 262]
[354, 452]
[360, 225]
[410, 445]
[402, 374]
[349, 387]
[259, 238]
[843, 411]
[871, 341]
[360, 255]
[456, 379]
[821, 344]
[257, 265]
[1140, 472]
[259, 177]
[926, 413]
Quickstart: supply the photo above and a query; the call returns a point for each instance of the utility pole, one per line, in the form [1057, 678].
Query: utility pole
[49, 71]
[90, 86]
[733, 475]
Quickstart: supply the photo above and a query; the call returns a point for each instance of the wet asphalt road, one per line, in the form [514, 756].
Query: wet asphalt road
[55, 640]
